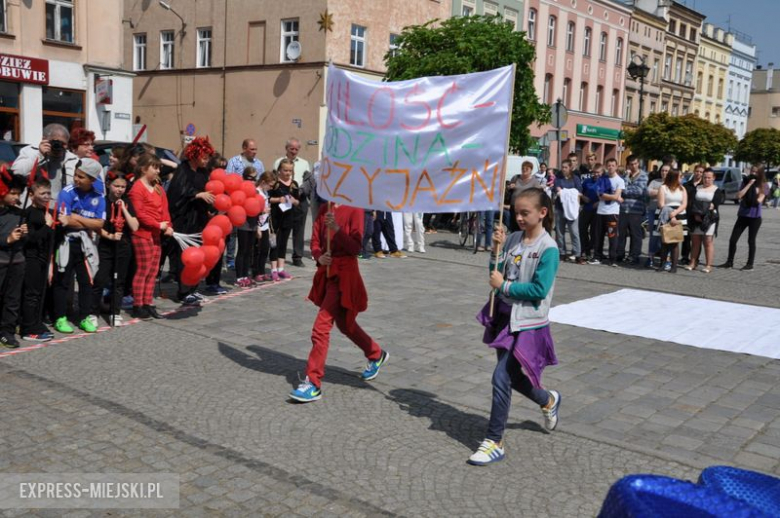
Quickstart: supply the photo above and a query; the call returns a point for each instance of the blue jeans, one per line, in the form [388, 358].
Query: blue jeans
[507, 376]
[654, 244]
[486, 219]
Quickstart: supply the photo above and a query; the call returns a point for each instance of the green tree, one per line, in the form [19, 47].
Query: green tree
[760, 146]
[467, 44]
[689, 138]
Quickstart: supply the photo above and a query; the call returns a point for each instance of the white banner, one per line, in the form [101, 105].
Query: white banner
[433, 144]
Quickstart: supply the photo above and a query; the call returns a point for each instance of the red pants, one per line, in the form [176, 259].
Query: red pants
[147, 257]
[332, 311]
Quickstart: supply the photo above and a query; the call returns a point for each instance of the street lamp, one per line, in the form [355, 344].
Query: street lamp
[167, 7]
[639, 71]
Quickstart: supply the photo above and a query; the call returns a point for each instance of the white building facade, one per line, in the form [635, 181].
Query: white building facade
[740, 76]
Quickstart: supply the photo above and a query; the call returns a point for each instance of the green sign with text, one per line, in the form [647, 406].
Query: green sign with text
[585, 130]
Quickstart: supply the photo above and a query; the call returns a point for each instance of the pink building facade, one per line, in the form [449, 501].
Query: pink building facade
[581, 58]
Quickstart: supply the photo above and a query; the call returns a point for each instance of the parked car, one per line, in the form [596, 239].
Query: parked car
[103, 150]
[730, 180]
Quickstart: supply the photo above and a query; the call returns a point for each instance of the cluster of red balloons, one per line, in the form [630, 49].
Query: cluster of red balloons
[239, 200]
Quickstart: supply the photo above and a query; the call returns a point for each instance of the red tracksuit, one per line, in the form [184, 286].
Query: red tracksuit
[341, 295]
[151, 209]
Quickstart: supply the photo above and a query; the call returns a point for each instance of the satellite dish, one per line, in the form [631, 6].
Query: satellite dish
[293, 51]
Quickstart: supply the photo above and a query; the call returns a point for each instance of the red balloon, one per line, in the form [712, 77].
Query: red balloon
[222, 202]
[218, 175]
[249, 189]
[232, 183]
[193, 257]
[222, 222]
[253, 206]
[211, 235]
[203, 271]
[212, 256]
[215, 187]
[191, 277]
[237, 216]
[238, 198]
[221, 246]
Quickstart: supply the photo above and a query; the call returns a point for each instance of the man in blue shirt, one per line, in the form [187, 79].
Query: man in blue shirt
[82, 211]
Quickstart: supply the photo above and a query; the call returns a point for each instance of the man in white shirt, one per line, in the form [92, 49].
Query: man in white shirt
[608, 210]
[301, 171]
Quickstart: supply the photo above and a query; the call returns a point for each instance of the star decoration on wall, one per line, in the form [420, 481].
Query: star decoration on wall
[326, 21]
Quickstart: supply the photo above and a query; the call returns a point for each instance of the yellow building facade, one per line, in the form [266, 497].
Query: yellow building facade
[712, 71]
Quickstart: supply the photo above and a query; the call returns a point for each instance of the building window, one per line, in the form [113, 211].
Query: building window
[615, 103]
[619, 52]
[393, 44]
[603, 47]
[665, 107]
[491, 9]
[667, 67]
[720, 88]
[64, 107]
[204, 48]
[710, 84]
[683, 30]
[3, 22]
[468, 8]
[510, 15]
[583, 97]
[678, 71]
[166, 49]
[655, 70]
[532, 25]
[652, 107]
[675, 110]
[548, 86]
[567, 91]
[139, 52]
[693, 34]
[586, 46]
[551, 32]
[672, 28]
[357, 49]
[570, 37]
[629, 108]
[688, 73]
[59, 20]
[699, 82]
[290, 33]
[599, 100]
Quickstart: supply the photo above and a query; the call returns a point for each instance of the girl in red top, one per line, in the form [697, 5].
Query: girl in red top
[339, 292]
[151, 206]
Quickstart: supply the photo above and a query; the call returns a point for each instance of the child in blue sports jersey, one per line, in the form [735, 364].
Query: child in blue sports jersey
[519, 328]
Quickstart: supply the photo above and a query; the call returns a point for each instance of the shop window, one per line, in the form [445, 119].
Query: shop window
[9, 111]
[59, 20]
[64, 107]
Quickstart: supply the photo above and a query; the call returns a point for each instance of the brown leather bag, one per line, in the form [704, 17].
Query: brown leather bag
[671, 234]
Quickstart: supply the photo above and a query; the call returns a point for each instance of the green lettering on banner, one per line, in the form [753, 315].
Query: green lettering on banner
[442, 148]
[333, 145]
[399, 143]
[369, 138]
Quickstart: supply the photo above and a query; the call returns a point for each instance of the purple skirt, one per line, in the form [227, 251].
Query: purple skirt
[533, 349]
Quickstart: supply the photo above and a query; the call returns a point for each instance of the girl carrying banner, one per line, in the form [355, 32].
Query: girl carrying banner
[518, 328]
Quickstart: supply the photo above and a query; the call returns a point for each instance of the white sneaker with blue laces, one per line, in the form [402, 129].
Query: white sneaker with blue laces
[306, 392]
[551, 413]
[487, 453]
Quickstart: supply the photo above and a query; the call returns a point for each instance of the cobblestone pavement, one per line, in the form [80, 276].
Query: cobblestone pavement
[203, 394]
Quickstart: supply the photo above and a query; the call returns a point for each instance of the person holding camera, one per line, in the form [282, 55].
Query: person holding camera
[751, 196]
[52, 156]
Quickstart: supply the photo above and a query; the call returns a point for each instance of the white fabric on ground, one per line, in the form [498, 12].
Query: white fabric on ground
[708, 324]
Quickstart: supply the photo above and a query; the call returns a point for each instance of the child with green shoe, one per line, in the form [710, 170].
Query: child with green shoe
[82, 213]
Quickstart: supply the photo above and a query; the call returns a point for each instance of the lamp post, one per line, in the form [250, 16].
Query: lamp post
[639, 71]
[167, 7]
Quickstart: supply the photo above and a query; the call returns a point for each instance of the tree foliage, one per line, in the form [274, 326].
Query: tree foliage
[689, 138]
[467, 44]
[760, 146]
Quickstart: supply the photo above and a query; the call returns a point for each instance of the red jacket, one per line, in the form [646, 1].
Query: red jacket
[151, 209]
[344, 246]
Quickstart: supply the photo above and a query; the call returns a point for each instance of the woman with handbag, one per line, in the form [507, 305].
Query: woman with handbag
[704, 216]
[673, 199]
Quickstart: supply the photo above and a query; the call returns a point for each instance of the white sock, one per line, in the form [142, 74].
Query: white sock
[274, 270]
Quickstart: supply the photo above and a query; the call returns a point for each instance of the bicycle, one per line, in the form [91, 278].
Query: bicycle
[469, 227]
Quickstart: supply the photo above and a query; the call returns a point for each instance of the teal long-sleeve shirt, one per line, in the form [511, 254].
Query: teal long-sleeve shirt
[541, 283]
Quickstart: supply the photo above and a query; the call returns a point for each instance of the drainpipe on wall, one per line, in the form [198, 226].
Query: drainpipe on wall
[224, 78]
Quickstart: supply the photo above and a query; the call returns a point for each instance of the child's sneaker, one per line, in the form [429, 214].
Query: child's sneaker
[551, 414]
[487, 453]
[284, 275]
[38, 337]
[127, 302]
[275, 276]
[87, 326]
[261, 278]
[63, 326]
[117, 321]
[244, 282]
[191, 300]
[306, 392]
[373, 366]
[398, 255]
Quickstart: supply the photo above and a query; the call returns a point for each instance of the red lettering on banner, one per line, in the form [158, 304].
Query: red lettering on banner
[347, 169]
[370, 179]
[455, 174]
[431, 188]
[371, 108]
[414, 91]
[347, 106]
[404, 172]
[439, 106]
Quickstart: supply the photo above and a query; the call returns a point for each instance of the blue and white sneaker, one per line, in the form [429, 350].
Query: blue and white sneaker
[667, 266]
[306, 392]
[190, 300]
[373, 366]
[201, 297]
[487, 453]
[127, 302]
[551, 414]
[215, 289]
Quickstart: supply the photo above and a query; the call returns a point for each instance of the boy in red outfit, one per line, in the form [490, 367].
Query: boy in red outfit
[339, 292]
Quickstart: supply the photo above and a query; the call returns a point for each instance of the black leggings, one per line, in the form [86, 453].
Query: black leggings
[280, 250]
[108, 261]
[743, 222]
[246, 250]
[261, 257]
